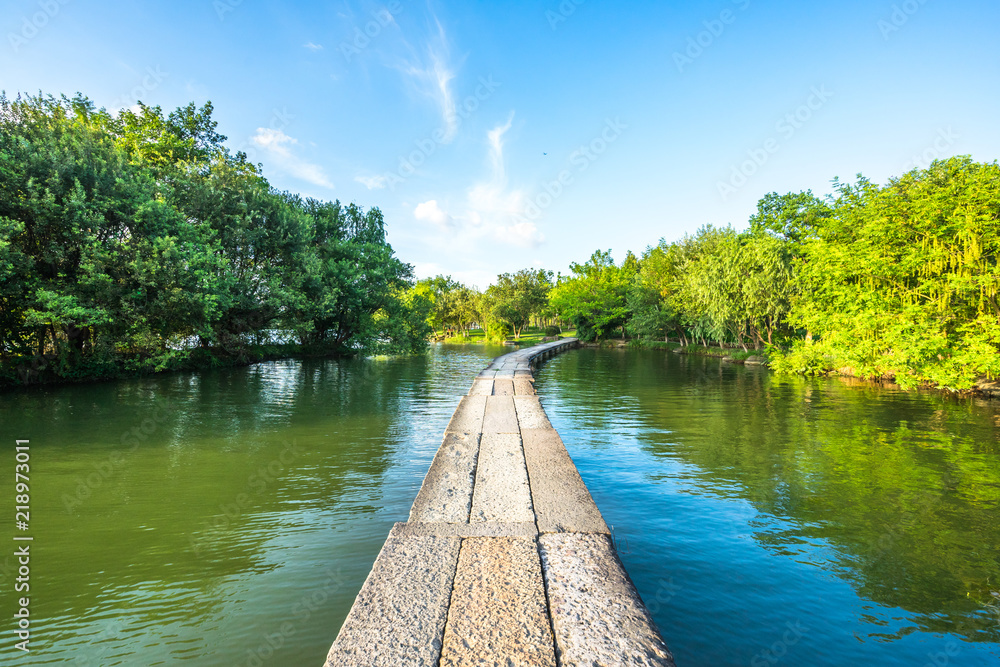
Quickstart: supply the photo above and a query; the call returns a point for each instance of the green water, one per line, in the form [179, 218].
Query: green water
[230, 517]
[791, 521]
[221, 518]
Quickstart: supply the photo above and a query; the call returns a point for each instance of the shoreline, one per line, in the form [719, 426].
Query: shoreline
[201, 359]
[41, 371]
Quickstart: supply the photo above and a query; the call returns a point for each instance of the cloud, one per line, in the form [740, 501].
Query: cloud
[313, 47]
[524, 234]
[431, 212]
[279, 146]
[501, 209]
[493, 210]
[495, 137]
[377, 182]
[433, 76]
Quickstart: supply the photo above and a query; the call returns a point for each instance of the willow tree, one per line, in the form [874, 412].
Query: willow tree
[903, 279]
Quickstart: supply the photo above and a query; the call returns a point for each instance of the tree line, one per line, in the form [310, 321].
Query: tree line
[137, 241]
[502, 311]
[896, 281]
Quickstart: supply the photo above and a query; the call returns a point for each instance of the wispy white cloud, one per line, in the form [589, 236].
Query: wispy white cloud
[313, 47]
[492, 210]
[433, 75]
[279, 146]
[376, 182]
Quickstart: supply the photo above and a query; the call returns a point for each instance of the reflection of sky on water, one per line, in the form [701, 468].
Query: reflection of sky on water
[748, 503]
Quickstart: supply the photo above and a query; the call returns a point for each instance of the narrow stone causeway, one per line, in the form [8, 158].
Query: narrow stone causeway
[505, 559]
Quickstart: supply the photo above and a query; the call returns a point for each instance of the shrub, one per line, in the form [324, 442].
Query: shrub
[805, 357]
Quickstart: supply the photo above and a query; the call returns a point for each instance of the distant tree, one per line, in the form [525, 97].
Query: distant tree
[516, 297]
[457, 308]
[595, 297]
[653, 314]
[436, 289]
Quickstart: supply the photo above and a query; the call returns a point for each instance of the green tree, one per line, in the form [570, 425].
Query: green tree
[595, 297]
[902, 280]
[653, 314]
[125, 238]
[516, 297]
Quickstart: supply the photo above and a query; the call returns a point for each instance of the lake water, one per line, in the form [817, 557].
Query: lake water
[230, 517]
[803, 522]
[217, 518]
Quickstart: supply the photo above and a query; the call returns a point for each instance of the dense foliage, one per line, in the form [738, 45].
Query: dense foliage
[899, 281]
[903, 279]
[138, 241]
[502, 311]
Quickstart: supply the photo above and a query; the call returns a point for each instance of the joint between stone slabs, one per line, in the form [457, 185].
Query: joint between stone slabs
[522, 529]
[498, 612]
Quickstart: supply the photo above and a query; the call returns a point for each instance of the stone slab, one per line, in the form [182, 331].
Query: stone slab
[597, 614]
[530, 414]
[409, 589]
[468, 417]
[500, 417]
[559, 497]
[524, 529]
[501, 492]
[481, 386]
[503, 387]
[524, 386]
[498, 608]
[446, 493]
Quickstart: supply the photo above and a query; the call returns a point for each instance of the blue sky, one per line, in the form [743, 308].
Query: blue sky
[502, 135]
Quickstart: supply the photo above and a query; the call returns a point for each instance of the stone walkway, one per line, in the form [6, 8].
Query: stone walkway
[505, 559]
